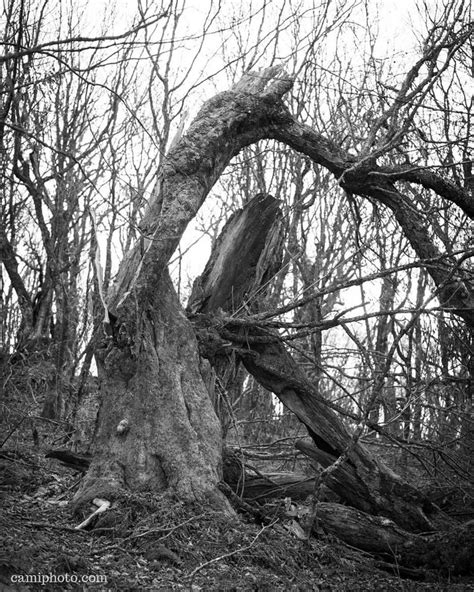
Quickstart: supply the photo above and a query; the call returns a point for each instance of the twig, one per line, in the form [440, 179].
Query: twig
[64, 494]
[164, 529]
[153, 531]
[13, 430]
[226, 555]
[56, 527]
[240, 503]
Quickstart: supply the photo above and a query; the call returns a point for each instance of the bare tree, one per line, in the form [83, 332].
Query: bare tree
[359, 156]
[58, 135]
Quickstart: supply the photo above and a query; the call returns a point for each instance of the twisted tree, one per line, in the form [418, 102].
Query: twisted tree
[156, 425]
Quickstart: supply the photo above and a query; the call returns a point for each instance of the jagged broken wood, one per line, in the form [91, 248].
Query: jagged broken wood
[362, 481]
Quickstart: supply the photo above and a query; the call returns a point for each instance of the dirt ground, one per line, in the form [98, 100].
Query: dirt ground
[148, 542]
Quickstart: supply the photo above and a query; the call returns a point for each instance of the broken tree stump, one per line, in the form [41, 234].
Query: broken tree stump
[361, 481]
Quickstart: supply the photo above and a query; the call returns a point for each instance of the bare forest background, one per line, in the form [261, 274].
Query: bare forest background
[93, 96]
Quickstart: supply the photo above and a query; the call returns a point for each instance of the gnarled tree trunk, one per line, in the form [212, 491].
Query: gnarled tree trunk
[150, 384]
[156, 426]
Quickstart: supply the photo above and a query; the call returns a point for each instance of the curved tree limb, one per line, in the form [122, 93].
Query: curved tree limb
[251, 111]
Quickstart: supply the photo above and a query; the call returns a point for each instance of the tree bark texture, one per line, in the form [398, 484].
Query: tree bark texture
[156, 426]
[404, 553]
[236, 260]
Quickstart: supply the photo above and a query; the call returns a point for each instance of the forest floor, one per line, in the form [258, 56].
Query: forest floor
[146, 543]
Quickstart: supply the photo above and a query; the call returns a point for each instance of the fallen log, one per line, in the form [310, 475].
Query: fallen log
[397, 550]
[402, 552]
[276, 486]
[450, 552]
[72, 460]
